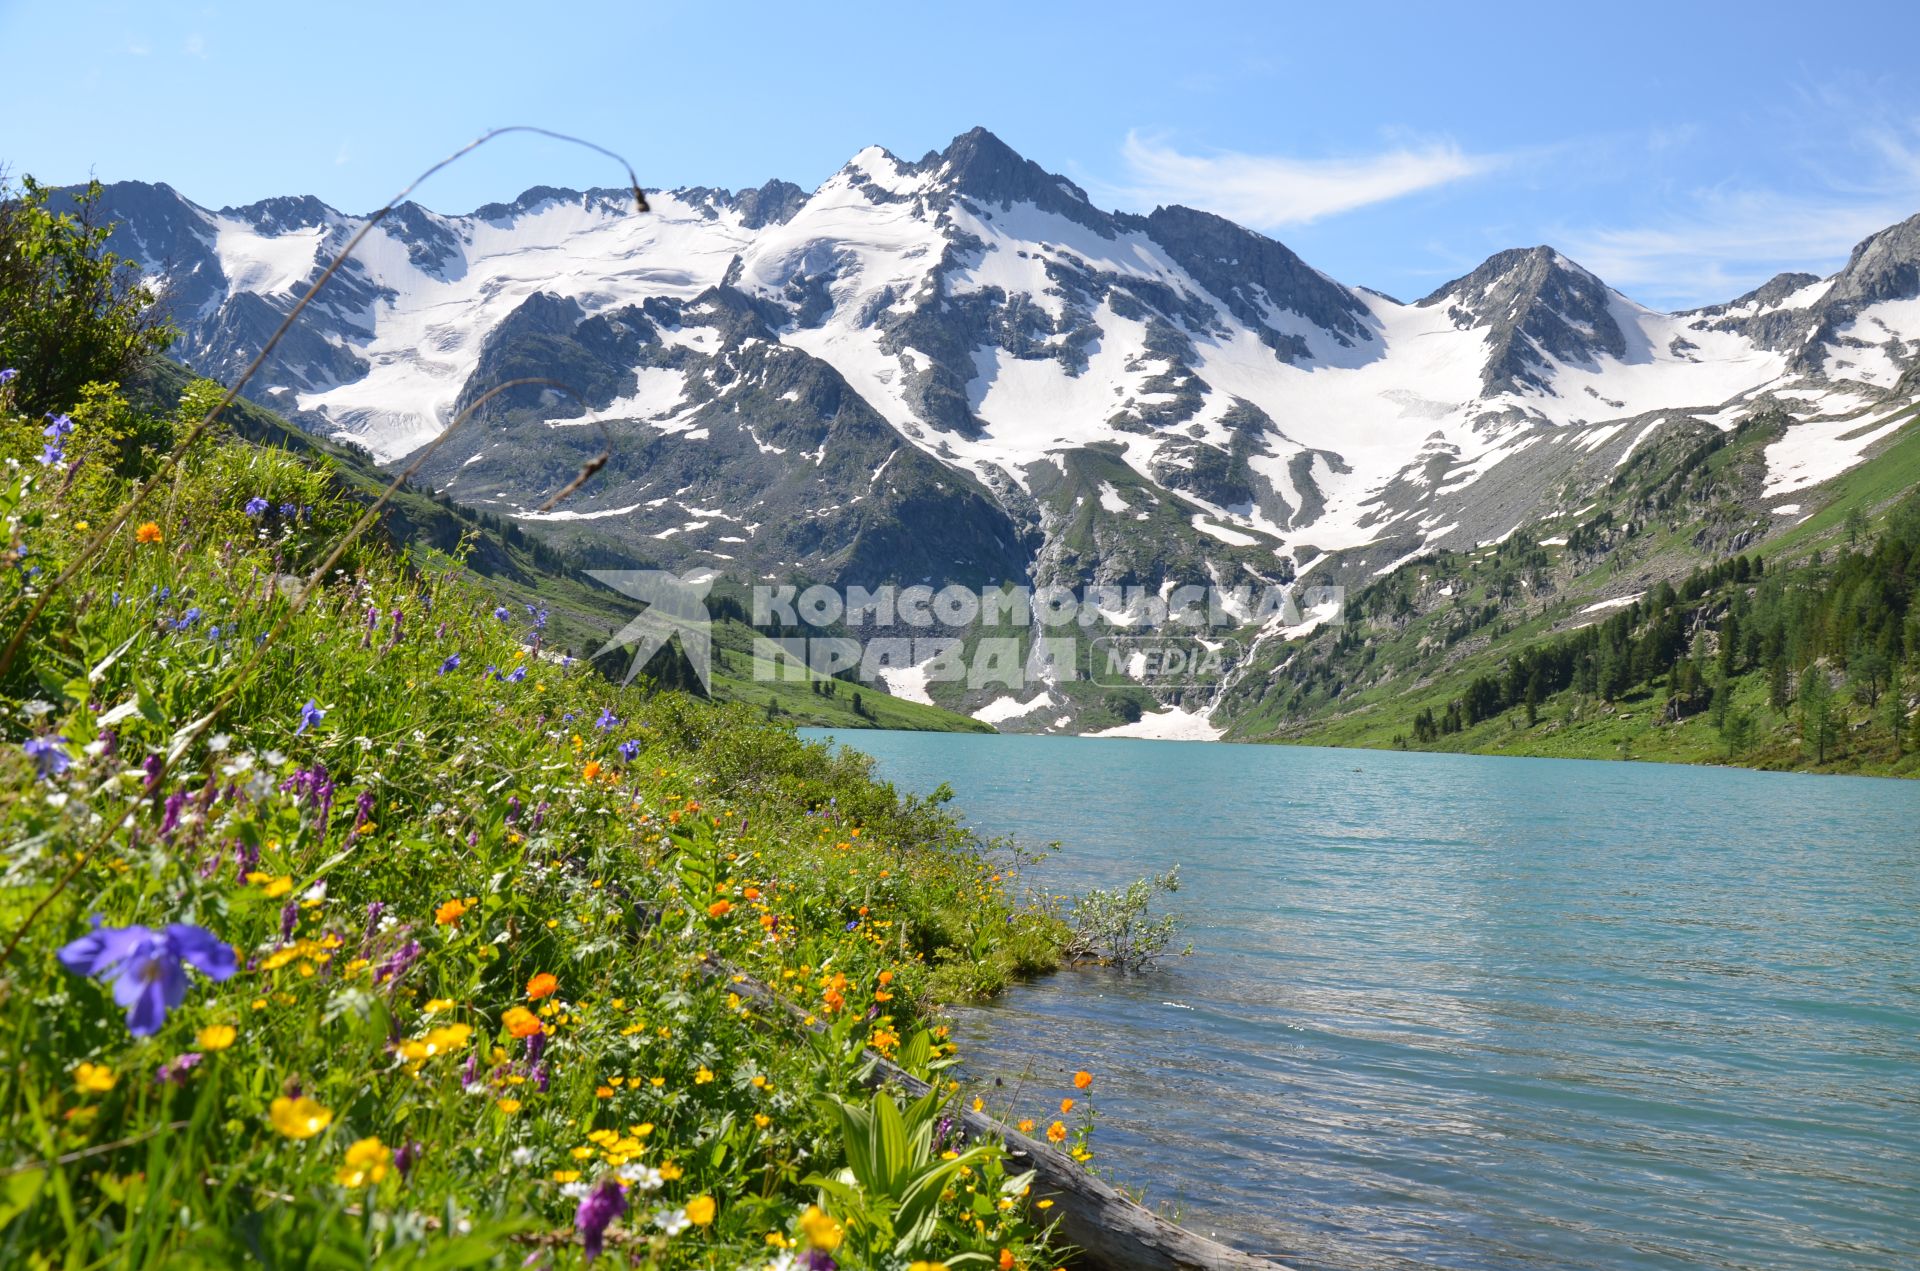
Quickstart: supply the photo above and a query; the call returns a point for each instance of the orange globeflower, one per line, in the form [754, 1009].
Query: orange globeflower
[1081, 1080]
[541, 985]
[1066, 1106]
[451, 912]
[521, 1022]
[1056, 1133]
[149, 532]
[592, 769]
[720, 909]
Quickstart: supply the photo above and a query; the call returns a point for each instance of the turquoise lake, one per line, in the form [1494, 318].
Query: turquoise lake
[1475, 1012]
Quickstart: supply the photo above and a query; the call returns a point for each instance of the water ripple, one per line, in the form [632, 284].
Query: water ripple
[1480, 1013]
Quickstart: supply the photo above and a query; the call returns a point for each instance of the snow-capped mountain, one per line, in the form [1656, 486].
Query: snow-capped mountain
[960, 369]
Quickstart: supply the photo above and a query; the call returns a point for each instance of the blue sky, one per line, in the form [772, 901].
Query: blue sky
[1682, 151]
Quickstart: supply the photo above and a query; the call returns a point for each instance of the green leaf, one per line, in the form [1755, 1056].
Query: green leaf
[892, 1149]
[18, 1192]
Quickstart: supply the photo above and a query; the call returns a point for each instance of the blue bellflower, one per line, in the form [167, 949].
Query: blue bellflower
[257, 507]
[49, 755]
[310, 716]
[56, 435]
[147, 968]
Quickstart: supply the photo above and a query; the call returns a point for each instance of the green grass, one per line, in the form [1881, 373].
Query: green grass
[398, 877]
[1893, 472]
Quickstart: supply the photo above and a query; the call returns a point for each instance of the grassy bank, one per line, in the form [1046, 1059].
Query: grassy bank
[455, 892]
[346, 920]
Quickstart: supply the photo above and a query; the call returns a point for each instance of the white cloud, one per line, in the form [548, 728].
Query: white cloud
[1271, 191]
[1730, 242]
[1724, 240]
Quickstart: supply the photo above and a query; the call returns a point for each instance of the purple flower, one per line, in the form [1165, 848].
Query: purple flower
[363, 812]
[607, 721]
[6, 376]
[146, 967]
[452, 662]
[55, 433]
[289, 919]
[501, 613]
[516, 675]
[407, 1157]
[257, 507]
[815, 1260]
[49, 755]
[170, 813]
[596, 1213]
[395, 964]
[310, 716]
[628, 749]
[288, 510]
[175, 1070]
[539, 617]
[315, 785]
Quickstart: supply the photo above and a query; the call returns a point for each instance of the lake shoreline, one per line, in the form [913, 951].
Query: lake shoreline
[1467, 1012]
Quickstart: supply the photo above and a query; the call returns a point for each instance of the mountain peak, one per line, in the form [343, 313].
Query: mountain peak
[1885, 266]
[1252, 273]
[980, 166]
[1535, 304]
[1523, 268]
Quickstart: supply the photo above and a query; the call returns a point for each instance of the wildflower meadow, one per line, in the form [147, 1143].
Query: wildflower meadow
[345, 921]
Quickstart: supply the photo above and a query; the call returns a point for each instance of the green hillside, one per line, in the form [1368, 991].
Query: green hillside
[345, 923]
[1675, 618]
[520, 569]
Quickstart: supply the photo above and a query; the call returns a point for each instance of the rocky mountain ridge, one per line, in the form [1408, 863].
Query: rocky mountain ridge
[958, 368]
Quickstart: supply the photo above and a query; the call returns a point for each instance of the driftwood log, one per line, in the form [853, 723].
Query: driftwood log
[1111, 1231]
